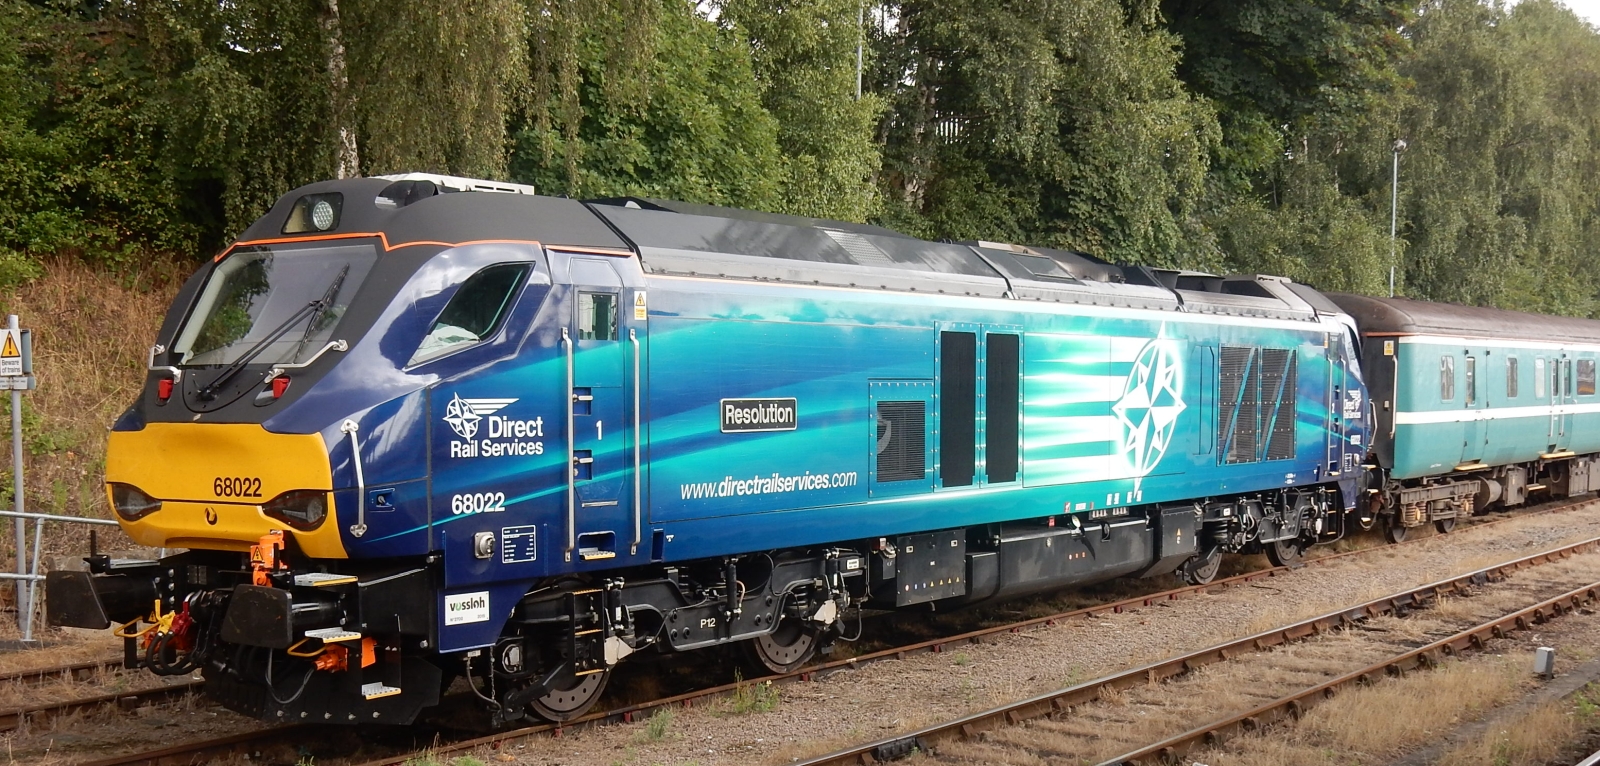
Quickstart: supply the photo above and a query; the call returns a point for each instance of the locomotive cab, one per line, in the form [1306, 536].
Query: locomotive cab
[335, 408]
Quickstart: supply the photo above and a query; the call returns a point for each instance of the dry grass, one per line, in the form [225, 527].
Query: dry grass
[1534, 739]
[91, 332]
[1372, 725]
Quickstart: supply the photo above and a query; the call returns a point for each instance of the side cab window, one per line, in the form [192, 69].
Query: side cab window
[474, 313]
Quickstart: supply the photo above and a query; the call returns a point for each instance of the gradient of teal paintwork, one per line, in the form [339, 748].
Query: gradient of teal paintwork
[1430, 449]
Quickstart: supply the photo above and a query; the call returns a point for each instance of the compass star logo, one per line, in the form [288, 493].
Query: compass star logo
[463, 414]
[1151, 401]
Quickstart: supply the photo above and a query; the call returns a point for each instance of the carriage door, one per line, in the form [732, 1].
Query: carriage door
[1473, 427]
[601, 454]
[1562, 396]
[1335, 408]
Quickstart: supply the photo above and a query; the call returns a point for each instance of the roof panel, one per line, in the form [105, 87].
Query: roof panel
[1402, 316]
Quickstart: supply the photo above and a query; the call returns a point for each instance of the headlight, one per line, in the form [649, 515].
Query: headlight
[314, 213]
[303, 509]
[131, 503]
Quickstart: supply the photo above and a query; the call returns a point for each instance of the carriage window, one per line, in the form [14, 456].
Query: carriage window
[1585, 377]
[597, 316]
[1566, 372]
[1511, 377]
[1538, 378]
[474, 312]
[1447, 378]
[1472, 380]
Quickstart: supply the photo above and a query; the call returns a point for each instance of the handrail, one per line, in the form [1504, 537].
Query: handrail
[638, 522]
[150, 364]
[332, 345]
[360, 527]
[572, 477]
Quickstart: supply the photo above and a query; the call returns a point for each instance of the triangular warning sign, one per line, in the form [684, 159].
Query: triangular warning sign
[10, 350]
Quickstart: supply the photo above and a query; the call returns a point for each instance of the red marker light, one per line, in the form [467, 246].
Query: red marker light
[279, 385]
[164, 389]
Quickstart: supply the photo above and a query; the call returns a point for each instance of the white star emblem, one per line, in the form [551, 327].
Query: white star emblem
[458, 413]
[1151, 401]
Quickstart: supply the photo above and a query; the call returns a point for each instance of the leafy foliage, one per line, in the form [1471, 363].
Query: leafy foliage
[696, 132]
[1252, 135]
[1060, 123]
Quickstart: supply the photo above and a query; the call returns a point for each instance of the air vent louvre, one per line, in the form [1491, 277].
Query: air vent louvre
[902, 441]
[865, 253]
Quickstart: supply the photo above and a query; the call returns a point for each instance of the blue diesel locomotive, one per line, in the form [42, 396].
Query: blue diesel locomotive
[420, 428]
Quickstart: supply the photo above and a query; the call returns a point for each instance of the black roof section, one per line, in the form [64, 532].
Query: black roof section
[444, 216]
[687, 239]
[682, 239]
[1403, 316]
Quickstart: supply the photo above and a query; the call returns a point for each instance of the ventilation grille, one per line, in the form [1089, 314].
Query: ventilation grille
[902, 441]
[865, 253]
[1239, 411]
[1257, 399]
[1278, 388]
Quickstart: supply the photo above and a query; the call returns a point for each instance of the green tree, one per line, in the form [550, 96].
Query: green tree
[1497, 185]
[1056, 123]
[81, 140]
[676, 113]
[1269, 65]
[805, 55]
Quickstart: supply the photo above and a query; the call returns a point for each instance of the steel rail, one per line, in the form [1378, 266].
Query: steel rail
[234, 744]
[209, 750]
[82, 671]
[1138, 676]
[1297, 704]
[14, 718]
[1061, 700]
[77, 671]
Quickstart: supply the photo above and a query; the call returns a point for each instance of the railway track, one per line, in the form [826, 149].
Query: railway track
[77, 671]
[995, 722]
[14, 718]
[1297, 703]
[254, 742]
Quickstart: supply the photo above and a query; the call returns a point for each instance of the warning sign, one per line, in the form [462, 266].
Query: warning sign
[638, 305]
[10, 354]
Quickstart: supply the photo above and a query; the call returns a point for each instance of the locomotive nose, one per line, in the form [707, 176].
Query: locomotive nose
[221, 487]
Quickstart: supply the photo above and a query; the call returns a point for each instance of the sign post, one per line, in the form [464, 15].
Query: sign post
[16, 373]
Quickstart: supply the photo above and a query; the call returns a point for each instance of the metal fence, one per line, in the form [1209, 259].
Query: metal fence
[16, 374]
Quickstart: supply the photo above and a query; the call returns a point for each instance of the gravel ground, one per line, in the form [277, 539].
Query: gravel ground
[1576, 638]
[887, 698]
[1134, 718]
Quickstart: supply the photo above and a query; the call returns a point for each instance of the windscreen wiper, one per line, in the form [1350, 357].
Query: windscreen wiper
[209, 391]
[325, 303]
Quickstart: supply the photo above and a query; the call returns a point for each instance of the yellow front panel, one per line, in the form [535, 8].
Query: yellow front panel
[180, 463]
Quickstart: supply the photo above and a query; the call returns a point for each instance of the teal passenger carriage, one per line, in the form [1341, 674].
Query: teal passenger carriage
[1475, 408]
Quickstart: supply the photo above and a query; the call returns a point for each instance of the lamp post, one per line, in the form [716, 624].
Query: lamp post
[1394, 209]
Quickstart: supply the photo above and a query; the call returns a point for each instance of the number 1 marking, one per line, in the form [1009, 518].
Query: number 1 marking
[599, 433]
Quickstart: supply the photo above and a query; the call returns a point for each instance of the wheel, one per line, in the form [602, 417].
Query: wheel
[1395, 533]
[784, 650]
[1201, 568]
[580, 694]
[1284, 552]
[1445, 525]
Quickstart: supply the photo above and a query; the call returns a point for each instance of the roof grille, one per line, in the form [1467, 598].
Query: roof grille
[864, 252]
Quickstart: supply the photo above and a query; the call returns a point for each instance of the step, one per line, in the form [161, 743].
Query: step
[376, 689]
[333, 635]
[322, 579]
